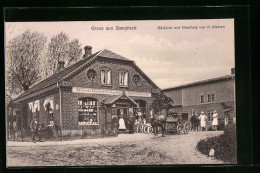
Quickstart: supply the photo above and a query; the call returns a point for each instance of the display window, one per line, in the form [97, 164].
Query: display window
[88, 111]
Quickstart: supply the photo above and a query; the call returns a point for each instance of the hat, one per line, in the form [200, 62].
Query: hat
[202, 112]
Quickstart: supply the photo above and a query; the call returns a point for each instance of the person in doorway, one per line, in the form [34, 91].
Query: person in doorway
[122, 123]
[215, 120]
[131, 121]
[203, 118]
[35, 128]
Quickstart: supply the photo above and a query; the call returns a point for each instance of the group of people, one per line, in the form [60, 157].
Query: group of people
[37, 128]
[121, 123]
[202, 119]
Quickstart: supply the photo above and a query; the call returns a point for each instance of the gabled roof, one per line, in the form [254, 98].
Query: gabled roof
[112, 99]
[108, 54]
[222, 78]
[66, 72]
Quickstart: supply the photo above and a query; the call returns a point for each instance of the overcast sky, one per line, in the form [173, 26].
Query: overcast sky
[170, 57]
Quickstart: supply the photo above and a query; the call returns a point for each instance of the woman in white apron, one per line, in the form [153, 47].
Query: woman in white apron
[215, 120]
[122, 123]
[203, 118]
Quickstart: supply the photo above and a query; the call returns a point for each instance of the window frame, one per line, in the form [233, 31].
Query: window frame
[212, 95]
[94, 71]
[123, 86]
[106, 74]
[82, 110]
[138, 84]
[202, 96]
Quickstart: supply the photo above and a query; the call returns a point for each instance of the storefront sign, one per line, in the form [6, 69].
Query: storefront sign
[109, 92]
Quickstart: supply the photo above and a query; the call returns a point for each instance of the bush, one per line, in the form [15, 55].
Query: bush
[221, 126]
[224, 145]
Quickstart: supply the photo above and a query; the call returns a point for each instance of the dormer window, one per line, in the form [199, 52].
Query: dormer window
[106, 77]
[123, 78]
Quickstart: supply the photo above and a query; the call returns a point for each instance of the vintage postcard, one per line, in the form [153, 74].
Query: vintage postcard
[135, 92]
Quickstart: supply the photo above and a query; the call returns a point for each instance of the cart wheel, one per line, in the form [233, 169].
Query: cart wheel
[150, 130]
[179, 129]
[186, 127]
[139, 128]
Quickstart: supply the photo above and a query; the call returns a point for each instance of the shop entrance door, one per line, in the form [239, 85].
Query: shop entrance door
[123, 111]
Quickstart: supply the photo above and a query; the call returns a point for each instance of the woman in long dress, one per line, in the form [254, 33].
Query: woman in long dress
[203, 118]
[215, 120]
[122, 123]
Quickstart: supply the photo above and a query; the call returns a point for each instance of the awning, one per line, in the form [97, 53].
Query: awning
[112, 99]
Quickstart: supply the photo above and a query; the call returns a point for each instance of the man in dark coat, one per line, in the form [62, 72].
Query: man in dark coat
[131, 121]
[115, 124]
[35, 128]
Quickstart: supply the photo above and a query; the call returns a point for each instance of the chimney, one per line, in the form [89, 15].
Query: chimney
[232, 70]
[88, 51]
[60, 65]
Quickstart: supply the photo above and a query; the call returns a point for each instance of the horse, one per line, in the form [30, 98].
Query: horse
[156, 122]
[194, 123]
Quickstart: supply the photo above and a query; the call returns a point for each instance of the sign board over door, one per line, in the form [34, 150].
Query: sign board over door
[109, 92]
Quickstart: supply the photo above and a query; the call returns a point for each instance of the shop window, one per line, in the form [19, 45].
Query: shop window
[201, 99]
[136, 79]
[88, 111]
[123, 78]
[91, 74]
[106, 77]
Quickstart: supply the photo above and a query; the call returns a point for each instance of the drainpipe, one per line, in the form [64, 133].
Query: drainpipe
[60, 108]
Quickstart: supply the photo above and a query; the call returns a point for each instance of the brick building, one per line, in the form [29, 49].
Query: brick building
[207, 95]
[87, 94]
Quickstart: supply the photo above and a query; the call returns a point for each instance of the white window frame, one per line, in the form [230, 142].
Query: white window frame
[123, 78]
[106, 78]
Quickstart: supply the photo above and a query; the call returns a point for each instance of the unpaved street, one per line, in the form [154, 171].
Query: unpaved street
[136, 149]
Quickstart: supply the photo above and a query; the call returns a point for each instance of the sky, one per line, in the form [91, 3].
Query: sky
[170, 52]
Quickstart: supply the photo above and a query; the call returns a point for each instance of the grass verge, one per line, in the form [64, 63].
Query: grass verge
[224, 145]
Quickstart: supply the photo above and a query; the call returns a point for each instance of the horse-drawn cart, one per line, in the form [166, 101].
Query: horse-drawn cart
[178, 123]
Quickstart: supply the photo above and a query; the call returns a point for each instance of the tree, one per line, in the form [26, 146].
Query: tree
[23, 54]
[60, 48]
[161, 102]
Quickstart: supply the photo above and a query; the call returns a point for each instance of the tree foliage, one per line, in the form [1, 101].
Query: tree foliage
[23, 55]
[60, 48]
[161, 102]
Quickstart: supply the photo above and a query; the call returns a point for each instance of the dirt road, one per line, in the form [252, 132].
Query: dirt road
[136, 149]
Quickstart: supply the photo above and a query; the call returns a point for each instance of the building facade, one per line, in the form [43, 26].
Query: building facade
[208, 95]
[86, 94]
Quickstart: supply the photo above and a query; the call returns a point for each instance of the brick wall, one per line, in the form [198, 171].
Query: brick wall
[210, 107]
[42, 113]
[176, 96]
[70, 111]
[222, 90]
[81, 79]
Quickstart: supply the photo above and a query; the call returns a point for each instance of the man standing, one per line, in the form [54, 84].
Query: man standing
[131, 121]
[115, 124]
[34, 126]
